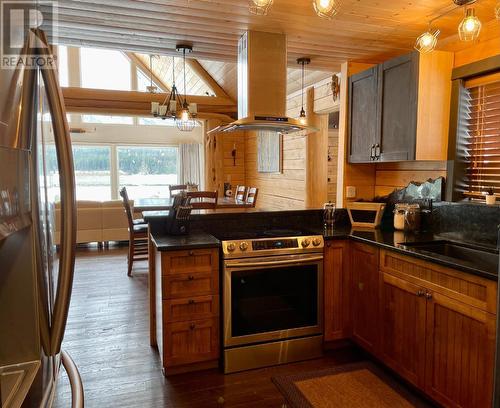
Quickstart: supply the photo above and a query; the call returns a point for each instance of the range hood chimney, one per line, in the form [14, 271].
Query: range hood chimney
[262, 76]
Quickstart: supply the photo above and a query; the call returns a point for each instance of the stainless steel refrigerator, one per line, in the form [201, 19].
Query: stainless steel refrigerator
[36, 170]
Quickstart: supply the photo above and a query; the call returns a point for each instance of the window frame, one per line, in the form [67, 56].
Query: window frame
[114, 163]
[457, 163]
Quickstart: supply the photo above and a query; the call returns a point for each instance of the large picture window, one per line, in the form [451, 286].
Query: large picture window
[147, 171]
[92, 172]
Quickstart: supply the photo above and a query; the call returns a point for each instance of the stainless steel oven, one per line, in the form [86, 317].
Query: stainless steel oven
[272, 301]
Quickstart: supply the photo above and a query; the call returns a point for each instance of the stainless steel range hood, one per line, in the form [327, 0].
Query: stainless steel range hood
[262, 75]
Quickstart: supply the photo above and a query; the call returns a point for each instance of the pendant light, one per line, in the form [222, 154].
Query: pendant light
[185, 121]
[470, 27]
[259, 7]
[427, 41]
[302, 116]
[326, 8]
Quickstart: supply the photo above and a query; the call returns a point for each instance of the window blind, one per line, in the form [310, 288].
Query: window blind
[481, 115]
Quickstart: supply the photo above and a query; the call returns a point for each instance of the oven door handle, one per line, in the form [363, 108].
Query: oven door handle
[273, 263]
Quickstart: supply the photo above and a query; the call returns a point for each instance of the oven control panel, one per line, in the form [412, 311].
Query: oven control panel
[266, 246]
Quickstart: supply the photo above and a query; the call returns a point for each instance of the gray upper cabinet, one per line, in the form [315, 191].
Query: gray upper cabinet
[363, 117]
[383, 111]
[397, 93]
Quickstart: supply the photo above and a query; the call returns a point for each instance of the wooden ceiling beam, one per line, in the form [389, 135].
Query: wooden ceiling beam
[206, 77]
[145, 69]
[126, 102]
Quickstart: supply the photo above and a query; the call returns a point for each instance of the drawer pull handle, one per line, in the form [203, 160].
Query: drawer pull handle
[190, 277]
[192, 326]
[191, 253]
[420, 293]
[191, 301]
[428, 295]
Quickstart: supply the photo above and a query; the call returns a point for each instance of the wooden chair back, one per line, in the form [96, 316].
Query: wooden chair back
[174, 188]
[252, 196]
[240, 194]
[206, 200]
[128, 208]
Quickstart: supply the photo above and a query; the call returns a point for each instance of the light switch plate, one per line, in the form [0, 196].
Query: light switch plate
[350, 192]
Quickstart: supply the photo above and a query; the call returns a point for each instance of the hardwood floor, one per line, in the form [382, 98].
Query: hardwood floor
[107, 336]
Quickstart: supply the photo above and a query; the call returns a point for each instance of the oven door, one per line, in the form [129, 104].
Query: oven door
[272, 298]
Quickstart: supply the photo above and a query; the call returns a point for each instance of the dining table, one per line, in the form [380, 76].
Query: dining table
[162, 204]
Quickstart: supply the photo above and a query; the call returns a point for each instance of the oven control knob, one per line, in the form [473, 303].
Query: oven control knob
[243, 246]
[231, 247]
[306, 242]
[316, 241]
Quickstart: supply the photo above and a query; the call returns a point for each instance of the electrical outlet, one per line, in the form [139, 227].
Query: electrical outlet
[350, 192]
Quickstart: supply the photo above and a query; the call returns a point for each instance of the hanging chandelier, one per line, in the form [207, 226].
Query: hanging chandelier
[169, 108]
[302, 115]
[326, 8]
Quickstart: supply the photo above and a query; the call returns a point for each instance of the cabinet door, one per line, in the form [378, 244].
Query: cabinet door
[403, 328]
[336, 290]
[363, 115]
[397, 92]
[460, 353]
[191, 342]
[365, 299]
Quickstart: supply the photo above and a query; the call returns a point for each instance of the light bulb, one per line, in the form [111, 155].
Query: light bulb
[427, 41]
[470, 27]
[259, 7]
[302, 117]
[326, 8]
[184, 115]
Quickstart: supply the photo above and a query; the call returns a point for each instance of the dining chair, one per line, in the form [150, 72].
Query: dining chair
[138, 235]
[206, 200]
[252, 196]
[241, 192]
[176, 188]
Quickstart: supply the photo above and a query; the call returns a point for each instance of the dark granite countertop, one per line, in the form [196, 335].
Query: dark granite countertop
[195, 240]
[389, 239]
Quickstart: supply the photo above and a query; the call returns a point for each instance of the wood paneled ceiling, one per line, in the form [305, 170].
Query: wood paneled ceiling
[365, 30]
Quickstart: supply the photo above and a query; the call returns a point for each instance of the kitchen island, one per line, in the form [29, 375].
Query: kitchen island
[404, 307]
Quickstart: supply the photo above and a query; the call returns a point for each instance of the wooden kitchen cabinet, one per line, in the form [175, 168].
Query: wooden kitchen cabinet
[363, 115]
[460, 353]
[438, 329]
[409, 118]
[403, 328]
[397, 118]
[365, 295]
[336, 282]
[187, 309]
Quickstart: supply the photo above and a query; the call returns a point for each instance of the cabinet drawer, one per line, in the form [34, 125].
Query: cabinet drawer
[198, 307]
[191, 342]
[188, 285]
[464, 287]
[190, 261]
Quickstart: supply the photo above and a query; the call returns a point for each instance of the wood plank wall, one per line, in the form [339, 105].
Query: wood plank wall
[389, 176]
[333, 151]
[288, 189]
[234, 172]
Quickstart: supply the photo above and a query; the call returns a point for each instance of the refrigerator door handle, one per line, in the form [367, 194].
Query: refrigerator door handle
[75, 380]
[68, 205]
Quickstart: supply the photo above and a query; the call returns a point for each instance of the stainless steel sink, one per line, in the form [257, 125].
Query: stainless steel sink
[475, 257]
